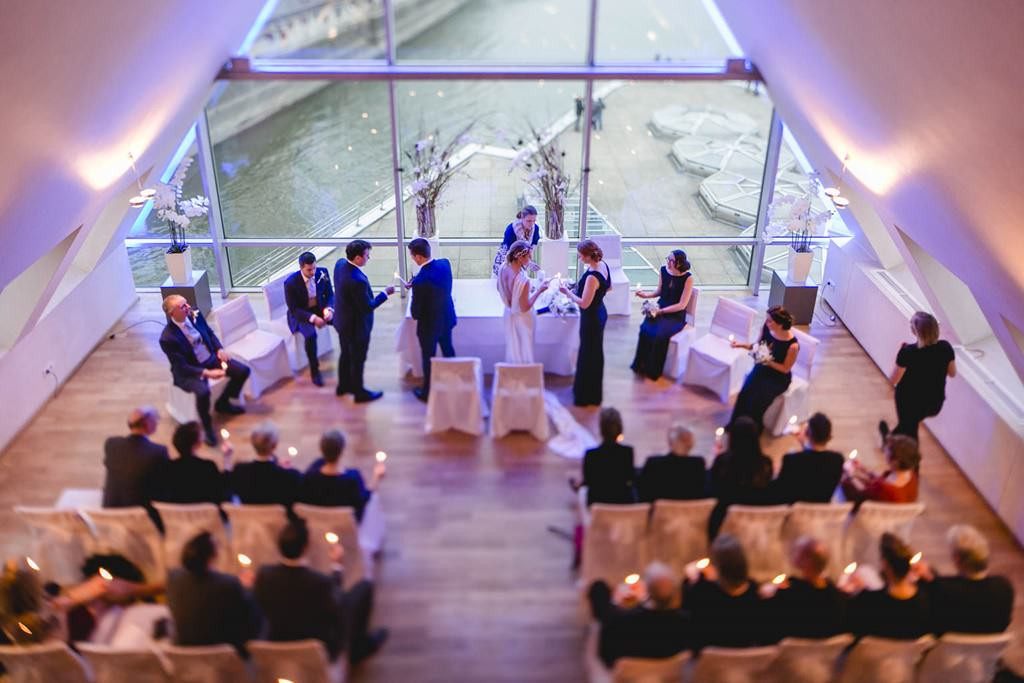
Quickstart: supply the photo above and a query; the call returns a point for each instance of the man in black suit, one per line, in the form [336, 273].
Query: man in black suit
[808, 604]
[134, 463]
[676, 476]
[196, 355]
[263, 481]
[353, 319]
[432, 308]
[810, 475]
[310, 299]
[301, 603]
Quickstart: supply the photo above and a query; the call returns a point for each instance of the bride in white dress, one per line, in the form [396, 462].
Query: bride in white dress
[520, 318]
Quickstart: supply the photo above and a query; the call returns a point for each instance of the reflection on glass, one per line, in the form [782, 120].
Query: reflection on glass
[324, 29]
[657, 31]
[150, 270]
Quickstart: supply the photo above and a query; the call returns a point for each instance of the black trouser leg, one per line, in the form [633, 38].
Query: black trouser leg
[237, 373]
[311, 354]
[344, 365]
[428, 344]
[358, 607]
[445, 341]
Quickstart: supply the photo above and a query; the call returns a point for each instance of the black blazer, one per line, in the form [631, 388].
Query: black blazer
[639, 631]
[804, 611]
[725, 620]
[174, 343]
[134, 464]
[297, 298]
[967, 605]
[876, 613]
[432, 307]
[301, 603]
[808, 476]
[264, 483]
[211, 609]
[353, 317]
[192, 479]
[608, 474]
[672, 477]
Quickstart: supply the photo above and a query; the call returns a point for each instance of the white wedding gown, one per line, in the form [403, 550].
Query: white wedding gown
[519, 324]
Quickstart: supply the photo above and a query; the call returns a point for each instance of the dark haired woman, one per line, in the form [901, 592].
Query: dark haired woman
[675, 286]
[772, 374]
[523, 228]
[742, 473]
[589, 296]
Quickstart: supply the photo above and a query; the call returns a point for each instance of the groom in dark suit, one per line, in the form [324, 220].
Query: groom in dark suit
[353, 319]
[432, 308]
[310, 299]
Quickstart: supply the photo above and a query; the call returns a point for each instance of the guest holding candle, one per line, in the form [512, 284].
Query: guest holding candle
[896, 484]
[773, 372]
[675, 286]
[901, 609]
[589, 296]
[328, 484]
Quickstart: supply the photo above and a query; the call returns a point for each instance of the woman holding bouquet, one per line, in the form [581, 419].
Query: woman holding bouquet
[589, 296]
[775, 355]
[661, 322]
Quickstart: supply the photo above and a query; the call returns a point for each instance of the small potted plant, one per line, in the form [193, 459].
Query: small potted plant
[178, 212]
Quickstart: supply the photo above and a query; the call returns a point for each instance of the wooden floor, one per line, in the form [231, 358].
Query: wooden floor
[473, 585]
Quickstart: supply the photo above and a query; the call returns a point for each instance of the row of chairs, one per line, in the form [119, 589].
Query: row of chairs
[619, 540]
[956, 657]
[61, 539]
[303, 661]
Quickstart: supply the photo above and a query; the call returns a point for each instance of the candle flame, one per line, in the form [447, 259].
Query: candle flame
[244, 560]
[720, 431]
[850, 568]
[331, 537]
[223, 365]
[779, 579]
[224, 434]
[283, 680]
[732, 337]
[381, 456]
[619, 438]
[31, 563]
[293, 451]
[703, 563]
[105, 575]
[396, 273]
[792, 420]
[853, 454]
[916, 558]
[632, 579]
[24, 628]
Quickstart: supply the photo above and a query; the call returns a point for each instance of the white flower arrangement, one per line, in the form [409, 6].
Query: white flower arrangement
[178, 212]
[761, 353]
[650, 308]
[794, 217]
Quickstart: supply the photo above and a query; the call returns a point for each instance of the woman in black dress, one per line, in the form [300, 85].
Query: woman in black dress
[920, 376]
[589, 296]
[673, 294]
[770, 376]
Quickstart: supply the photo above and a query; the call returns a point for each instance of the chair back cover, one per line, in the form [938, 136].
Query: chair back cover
[611, 247]
[50, 662]
[805, 357]
[759, 530]
[882, 660]
[117, 665]
[808, 660]
[456, 396]
[865, 529]
[517, 400]
[679, 531]
[60, 542]
[336, 520]
[300, 660]
[234, 320]
[129, 532]
[824, 522]
[641, 670]
[615, 542]
[691, 306]
[733, 665]
[963, 657]
[205, 664]
[273, 297]
[254, 532]
[183, 522]
[732, 317]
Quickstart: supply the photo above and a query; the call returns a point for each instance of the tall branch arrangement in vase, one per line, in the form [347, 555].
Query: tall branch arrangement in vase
[432, 170]
[545, 175]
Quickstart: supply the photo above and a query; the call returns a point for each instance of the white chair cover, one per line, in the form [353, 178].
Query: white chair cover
[963, 657]
[517, 400]
[456, 396]
[865, 529]
[803, 660]
[130, 627]
[679, 345]
[881, 660]
[615, 543]
[823, 521]
[341, 521]
[733, 665]
[131, 533]
[277, 324]
[51, 662]
[617, 300]
[60, 542]
[205, 664]
[181, 405]
[713, 363]
[183, 522]
[262, 351]
[300, 660]
[76, 499]
[373, 528]
[254, 531]
[732, 317]
[759, 531]
[117, 665]
[794, 401]
[679, 531]
[638, 670]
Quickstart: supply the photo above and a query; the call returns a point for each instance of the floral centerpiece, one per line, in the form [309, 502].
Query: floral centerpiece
[545, 175]
[432, 170]
[794, 217]
[178, 211]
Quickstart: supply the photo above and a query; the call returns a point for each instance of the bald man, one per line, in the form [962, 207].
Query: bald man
[197, 356]
[133, 462]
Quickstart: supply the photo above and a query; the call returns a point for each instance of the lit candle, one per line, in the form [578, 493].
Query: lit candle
[853, 454]
[225, 434]
[381, 456]
[779, 579]
[244, 560]
[292, 451]
[719, 432]
[223, 365]
[619, 438]
[398, 279]
[24, 628]
[331, 537]
[792, 420]
[703, 563]
[916, 558]
[732, 337]
[850, 568]
[283, 680]
[632, 579]
[31, 564]
[105, 575]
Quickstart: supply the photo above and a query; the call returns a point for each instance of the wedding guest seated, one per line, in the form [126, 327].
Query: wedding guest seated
[648, 623]
[191, 478]
[300, 603]
[608, 470]
[723, 600]
[134, 462]
[810, 475]
[899, 610]
[742, 473]
[264, 481]
[677, 475]
[209, 607]
[971, 601]
[897, 484]
[807, 605]
[326, 483]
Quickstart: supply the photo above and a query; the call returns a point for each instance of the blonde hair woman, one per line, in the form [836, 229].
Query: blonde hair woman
[520, 318]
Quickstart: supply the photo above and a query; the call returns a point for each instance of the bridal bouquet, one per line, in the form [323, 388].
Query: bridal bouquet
[650, 308]
[562, 306]
[761, 353]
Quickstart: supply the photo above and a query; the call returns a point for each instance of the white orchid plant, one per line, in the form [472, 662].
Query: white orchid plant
[794, 217]
[178, 211]
[544, 163]
[432, 170]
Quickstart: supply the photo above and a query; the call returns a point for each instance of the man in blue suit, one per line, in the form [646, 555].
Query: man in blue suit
[353, 319]
[196, 355]
[310, 299]
[432, 308]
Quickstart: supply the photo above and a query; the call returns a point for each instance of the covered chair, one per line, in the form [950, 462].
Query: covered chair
[50, 662]
[254, 531]
[183, 522]
[300, 660]
[733, 665]
[759, 530]
[963, 657]
[517, 400]
[60, 542]
[181, 405]
[277, 324]
[340, 521]
[679, 531]
[639, 670]
[205, 664]
[614, 543]
[865, 528]
[883, 660]
[117, 665]
[679, 345]
[129, 532]
[456, 398]
[617, 300]
[809, 660]
[823, 521]
[713, 363]
[794, 400]
[262, 351]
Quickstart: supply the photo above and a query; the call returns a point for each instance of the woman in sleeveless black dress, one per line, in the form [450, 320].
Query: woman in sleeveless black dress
[769, 378]
[673, 294]
[589, 296]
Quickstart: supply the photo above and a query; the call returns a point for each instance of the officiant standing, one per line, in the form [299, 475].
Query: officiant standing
[432, 308]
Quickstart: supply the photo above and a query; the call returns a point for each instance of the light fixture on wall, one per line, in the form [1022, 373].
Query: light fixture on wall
[145, 194]
[833, 192]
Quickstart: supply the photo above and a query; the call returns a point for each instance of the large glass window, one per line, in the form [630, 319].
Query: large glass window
[149, 223]
[323, 29]
[150, 270]
[657, 31]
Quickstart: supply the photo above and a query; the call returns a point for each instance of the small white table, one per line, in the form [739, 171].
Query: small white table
[480, 332]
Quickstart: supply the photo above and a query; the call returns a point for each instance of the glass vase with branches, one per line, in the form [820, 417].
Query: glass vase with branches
[544, 163]
[432, 169]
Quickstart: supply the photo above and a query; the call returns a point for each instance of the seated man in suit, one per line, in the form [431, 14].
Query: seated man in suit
[676, 476]
[810, 475]
[353, 319]
[971, 601]
[196, 356]
[300, 603]
[263, 481]
[432, 308]
[310, 299]
[327, 484]
[808, 604]
[209, 607]
[654, 628]
[133, 462]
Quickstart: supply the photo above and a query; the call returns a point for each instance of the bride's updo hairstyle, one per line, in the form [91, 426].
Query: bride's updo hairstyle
[590, 250]
[679, 261]
[518, 248]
